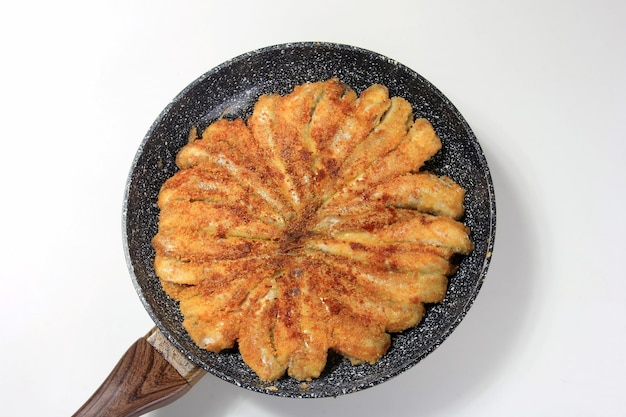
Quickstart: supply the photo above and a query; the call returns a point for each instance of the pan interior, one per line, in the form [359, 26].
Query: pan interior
[230, 90]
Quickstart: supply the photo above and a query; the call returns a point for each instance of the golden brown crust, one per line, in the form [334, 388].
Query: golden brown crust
[308, 228]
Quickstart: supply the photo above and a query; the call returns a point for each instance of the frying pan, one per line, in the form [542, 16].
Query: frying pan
[161, 366]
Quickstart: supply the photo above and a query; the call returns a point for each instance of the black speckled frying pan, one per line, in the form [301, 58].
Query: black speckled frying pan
[230, 90]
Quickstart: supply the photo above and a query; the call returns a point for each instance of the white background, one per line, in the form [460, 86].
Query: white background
[540, 82]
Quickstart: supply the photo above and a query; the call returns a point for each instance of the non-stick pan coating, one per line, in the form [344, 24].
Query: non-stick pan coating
[230, 90]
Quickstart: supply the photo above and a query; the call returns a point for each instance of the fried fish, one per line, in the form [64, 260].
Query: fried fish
[309, 227]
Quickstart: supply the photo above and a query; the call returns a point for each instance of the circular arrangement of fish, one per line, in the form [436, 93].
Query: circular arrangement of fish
[311, 226]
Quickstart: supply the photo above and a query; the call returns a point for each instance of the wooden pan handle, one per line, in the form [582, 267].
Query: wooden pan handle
[151, 374]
